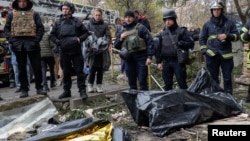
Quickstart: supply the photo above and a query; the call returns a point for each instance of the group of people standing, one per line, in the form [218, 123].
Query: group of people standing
[133, 39]
[215, 41]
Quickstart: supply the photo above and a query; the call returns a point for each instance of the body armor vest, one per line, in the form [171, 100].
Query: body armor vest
[133, 42]
[168, 48]
[68, 28]
[23, 24]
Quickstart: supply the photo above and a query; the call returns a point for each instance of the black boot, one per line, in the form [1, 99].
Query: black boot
[53, 84]
[83, 94]
[24, 94]
[65, 94]
[41, 92]
[46, 88]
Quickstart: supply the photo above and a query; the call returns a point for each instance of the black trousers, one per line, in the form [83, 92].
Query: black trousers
[48, 61]
[171, 68]
[98, 72]
[72, 60]
[35, 61]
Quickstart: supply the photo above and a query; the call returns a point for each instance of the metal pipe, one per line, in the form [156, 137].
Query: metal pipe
[157, 83]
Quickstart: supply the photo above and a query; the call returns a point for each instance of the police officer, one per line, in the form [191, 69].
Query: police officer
[24, 30]
[215, 43]
[245, 38]
[171, 37]
[68, 33]
[138, 43]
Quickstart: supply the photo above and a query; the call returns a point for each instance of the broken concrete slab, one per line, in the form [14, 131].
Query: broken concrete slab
[24, 118]
[78, 102]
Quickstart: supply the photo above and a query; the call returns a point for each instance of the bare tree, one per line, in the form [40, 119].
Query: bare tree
[242, 15]
[129, 4]
[242, 6]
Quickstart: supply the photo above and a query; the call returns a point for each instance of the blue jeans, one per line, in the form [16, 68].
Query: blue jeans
[16, 72]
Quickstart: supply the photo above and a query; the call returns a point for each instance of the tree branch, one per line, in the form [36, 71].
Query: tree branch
[241, 15]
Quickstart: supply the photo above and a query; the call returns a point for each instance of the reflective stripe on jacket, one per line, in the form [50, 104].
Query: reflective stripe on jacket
[208, 38]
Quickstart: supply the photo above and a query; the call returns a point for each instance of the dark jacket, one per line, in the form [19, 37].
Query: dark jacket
[28, 42]
[244, 35]
[143, 33]
[183, 41]
[69, 44]
[208, 37]
[143, 20]
[101, 58]
[195, 34]
[45, 44]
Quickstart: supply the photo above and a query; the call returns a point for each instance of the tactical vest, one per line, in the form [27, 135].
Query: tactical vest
[23, 24]
[133, 42]
[68, 28]
[167, 47]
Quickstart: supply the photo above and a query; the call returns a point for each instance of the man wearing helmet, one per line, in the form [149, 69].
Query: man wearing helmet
[215, 44]
[171, 38]
[24, 30]
[68, 32]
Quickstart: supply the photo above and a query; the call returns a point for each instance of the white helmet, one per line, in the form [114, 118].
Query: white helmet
[217, 5]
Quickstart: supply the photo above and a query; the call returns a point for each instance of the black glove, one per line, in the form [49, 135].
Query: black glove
[203, 51]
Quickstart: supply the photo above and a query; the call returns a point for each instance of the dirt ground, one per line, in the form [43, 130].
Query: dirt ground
[120, 116]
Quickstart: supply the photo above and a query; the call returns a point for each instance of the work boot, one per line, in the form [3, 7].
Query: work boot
[65, 94]
[41, 92]
[99, 88]
[53, 84]
[90, 88]
[24, 94]
[83, 94]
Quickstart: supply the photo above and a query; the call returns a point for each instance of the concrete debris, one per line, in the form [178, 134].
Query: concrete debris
[89, 113]
[122, 79]
[244, 80]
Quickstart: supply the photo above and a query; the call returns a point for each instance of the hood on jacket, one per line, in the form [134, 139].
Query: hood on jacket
[29, 6]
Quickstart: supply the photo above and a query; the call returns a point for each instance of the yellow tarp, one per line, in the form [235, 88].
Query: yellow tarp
[94, 134]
